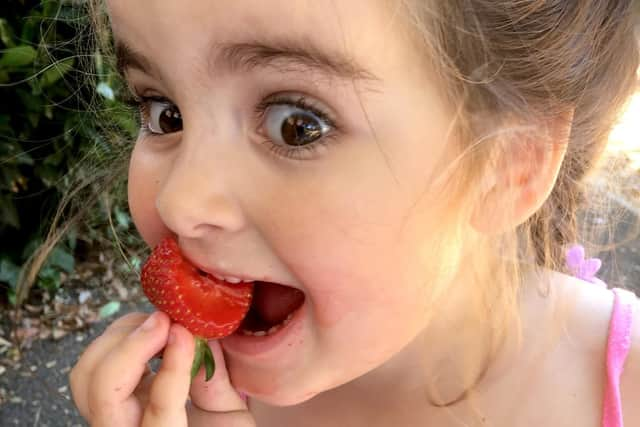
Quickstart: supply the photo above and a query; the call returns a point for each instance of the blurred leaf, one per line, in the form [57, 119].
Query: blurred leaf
[48, 174]
[5, 126]
[30, 26]
[6, 34]
[105, 90]
[122, 218]
[97, 57]
[9, 272]
[56, 72]
[72, 238]
[18, 56]
[8, 212]
[48, 111]
[136, 263]
[23, 158]
[31, 247]
[34, 119]
[33, 103]
[55, 158]
[109, 309]
[49, 278]
[62, 259]
[50, 8]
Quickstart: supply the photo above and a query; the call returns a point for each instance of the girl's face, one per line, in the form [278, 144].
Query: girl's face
[298, 143]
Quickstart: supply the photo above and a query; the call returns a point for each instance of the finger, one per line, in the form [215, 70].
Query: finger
[198, 417]
[83, 370]
[170, 387]
[217, 394]
[111, 391]
[142, 390]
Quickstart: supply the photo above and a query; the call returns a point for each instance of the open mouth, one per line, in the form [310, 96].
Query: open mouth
[272, 308]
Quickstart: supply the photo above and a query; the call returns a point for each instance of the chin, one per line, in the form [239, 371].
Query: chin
[273, 389]
[283, 399]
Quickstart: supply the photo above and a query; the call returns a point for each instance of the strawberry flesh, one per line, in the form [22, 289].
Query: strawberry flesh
[207, 307]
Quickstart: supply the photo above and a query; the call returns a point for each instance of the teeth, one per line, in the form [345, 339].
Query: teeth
[232, 280]
[271, 330]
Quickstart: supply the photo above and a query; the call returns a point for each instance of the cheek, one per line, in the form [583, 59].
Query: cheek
[358, 283]
[143, 188]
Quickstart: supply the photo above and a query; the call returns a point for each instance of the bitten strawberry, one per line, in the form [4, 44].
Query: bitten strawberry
[209, 308]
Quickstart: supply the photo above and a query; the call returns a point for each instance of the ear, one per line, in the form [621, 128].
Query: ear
[523, 175]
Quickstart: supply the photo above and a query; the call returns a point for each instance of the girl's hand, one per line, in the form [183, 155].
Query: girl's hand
[216, 402]
[112, 384]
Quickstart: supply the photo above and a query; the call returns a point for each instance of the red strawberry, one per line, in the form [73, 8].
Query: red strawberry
[207, 307]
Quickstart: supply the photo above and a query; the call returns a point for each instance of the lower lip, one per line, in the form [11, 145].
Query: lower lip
[257, 346]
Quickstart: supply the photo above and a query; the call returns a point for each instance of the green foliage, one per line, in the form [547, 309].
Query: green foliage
[54, 117]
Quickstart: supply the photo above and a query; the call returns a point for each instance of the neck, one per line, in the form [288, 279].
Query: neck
[458, 352]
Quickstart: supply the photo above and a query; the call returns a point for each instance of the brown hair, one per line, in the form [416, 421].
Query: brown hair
[537, 59]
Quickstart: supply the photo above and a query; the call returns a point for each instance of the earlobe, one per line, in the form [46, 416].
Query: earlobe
[522, 178]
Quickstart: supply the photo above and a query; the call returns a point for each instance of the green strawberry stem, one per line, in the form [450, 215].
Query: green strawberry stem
[203, 355]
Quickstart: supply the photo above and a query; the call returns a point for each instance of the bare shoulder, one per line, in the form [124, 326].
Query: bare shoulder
[587, 328]
[586, 309]
[569, 326]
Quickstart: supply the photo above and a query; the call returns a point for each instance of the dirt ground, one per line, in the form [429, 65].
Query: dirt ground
[36, 392]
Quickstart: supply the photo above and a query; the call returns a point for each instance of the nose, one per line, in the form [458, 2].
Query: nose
[196, 197]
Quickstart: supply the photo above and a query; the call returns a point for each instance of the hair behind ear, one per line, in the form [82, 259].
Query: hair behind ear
[554, 225]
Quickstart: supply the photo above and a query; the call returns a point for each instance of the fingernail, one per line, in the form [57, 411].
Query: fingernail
[149, 324]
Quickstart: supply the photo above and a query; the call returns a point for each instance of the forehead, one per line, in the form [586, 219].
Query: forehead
[180, 30]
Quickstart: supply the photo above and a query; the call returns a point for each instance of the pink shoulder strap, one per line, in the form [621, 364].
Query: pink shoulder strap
[618, 345]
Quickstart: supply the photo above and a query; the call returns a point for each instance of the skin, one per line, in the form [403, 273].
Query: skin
[358, 225]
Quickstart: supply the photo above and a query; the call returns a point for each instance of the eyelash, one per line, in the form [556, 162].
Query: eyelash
[141, 104]
[304, 152]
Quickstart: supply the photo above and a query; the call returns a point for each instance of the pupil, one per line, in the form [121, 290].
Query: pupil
[170, 120]
[300, 130]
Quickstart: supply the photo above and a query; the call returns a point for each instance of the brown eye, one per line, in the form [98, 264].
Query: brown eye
[294, 127]
[164, 118]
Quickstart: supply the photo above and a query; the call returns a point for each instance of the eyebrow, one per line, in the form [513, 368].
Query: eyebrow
[284, 56]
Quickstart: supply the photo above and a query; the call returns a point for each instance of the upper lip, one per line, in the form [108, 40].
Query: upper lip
[226, 274]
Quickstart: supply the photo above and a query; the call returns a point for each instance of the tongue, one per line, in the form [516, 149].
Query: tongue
[275, 302]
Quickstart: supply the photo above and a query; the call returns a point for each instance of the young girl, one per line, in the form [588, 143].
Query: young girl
[413, 167]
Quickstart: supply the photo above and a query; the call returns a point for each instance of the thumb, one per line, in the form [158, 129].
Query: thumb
[217, 394]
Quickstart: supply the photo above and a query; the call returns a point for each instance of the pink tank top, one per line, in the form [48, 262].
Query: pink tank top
[618, 345]
[619, 339]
